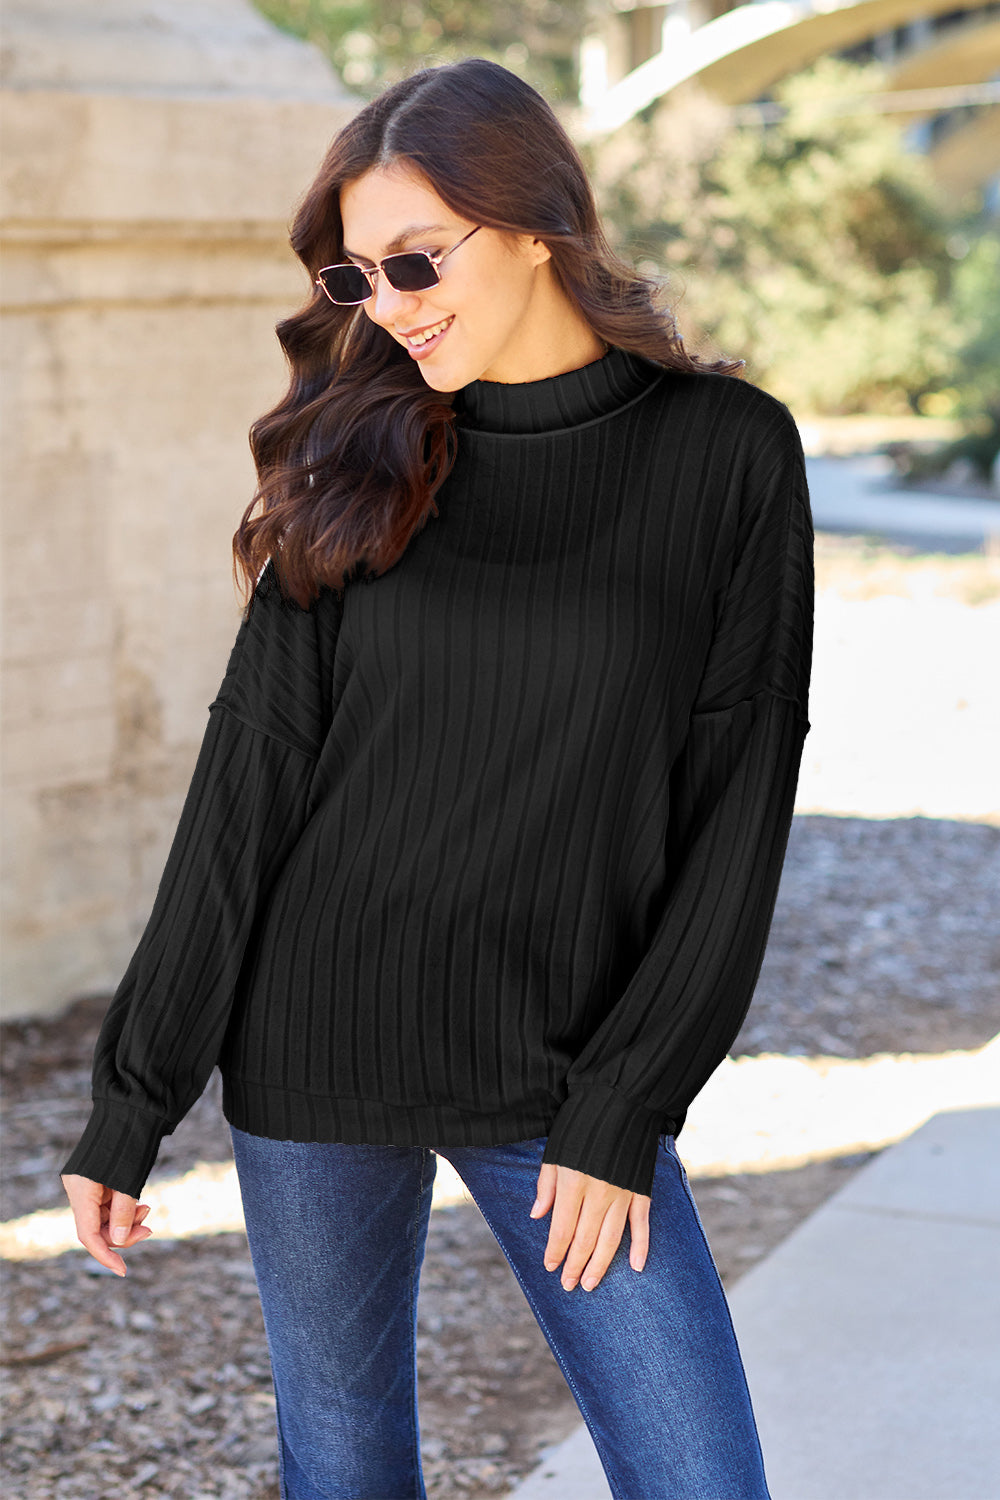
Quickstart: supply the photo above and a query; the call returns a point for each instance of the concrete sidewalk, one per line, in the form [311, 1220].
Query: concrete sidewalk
[854, 495]
[871, 1336]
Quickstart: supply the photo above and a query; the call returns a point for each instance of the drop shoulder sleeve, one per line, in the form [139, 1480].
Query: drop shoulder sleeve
[244, 810]
[732, 795]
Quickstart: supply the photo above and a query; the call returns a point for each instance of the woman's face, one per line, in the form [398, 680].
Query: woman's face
[486, 316]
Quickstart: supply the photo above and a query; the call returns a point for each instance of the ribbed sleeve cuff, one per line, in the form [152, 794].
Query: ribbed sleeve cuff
[605, 1134]
[118, 1147]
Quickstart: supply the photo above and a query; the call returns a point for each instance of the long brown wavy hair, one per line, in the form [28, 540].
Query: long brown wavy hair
[349, 461]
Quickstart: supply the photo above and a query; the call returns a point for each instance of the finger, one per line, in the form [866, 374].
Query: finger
[140, 1230]
[545, 1192]
[96, 1246]
[88, 1201]
[137, 1233]
[592, 1237]
[638, 1220]
[565, 1213]
[121, 1217]
[607, 1244]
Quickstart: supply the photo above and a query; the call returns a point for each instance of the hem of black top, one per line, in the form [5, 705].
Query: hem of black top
[284, 1114]
[597, 1130]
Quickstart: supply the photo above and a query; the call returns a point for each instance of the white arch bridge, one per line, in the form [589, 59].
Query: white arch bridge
[938, 57]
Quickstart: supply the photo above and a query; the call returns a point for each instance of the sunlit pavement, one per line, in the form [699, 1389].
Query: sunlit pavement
[904, 709]
[905, 699]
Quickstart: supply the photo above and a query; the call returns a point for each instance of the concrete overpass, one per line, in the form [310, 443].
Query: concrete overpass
[960, 147]
[739, 55]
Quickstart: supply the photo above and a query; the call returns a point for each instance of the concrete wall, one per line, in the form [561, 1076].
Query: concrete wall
[153, 155]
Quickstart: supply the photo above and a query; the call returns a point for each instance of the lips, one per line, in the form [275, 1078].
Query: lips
[421, 336]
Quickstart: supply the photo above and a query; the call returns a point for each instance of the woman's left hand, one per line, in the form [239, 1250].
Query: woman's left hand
[588, 1219]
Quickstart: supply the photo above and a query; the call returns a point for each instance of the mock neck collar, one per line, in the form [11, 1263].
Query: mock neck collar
[594, 390]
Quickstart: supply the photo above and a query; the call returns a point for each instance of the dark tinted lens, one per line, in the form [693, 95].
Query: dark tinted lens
[412, 272]
[346, 283]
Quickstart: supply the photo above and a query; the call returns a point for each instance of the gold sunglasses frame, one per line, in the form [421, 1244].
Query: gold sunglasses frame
[371, 272]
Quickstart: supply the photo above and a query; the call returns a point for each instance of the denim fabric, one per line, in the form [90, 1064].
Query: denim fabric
[337, 1235]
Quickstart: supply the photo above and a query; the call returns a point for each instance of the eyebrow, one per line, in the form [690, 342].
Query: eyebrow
[413, 232]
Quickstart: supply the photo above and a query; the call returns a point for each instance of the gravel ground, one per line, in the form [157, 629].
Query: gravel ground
[159, 1385]
[884, 940]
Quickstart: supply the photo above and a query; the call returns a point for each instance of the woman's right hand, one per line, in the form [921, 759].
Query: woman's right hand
[105, 1217]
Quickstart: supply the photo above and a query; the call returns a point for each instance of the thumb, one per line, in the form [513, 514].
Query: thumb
[121, 1217]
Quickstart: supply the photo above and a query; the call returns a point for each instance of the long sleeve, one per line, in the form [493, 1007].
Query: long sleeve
[732, 792]
[245, 808]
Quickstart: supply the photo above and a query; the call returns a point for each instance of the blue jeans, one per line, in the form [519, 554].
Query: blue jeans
[337, 1235]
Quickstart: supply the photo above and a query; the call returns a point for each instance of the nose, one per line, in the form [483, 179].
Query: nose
[388, 306]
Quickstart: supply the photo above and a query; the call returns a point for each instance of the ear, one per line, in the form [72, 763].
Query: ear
[540, 252]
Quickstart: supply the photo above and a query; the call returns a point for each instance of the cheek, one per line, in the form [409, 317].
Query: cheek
[493, 293]
[517, 288]
[509, 310]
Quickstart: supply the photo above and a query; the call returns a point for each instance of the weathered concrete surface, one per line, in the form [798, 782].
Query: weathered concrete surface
[876, 1322]
[153, 156]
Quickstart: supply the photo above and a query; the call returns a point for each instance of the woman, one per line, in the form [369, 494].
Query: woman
[484, 838]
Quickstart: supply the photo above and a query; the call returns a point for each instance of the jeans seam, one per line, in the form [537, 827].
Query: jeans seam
[415, 1431]
[540, 1319]
[282, 1480]
[672, 1152]
[283, 1489]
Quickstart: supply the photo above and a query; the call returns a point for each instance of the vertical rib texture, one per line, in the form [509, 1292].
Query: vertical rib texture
[490, 849]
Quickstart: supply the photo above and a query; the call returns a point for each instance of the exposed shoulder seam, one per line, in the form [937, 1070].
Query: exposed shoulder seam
[267, 733]
[764, 692]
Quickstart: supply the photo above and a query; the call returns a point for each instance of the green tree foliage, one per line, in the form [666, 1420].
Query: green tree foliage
[814, 246]
[974, 394]
[374, 42]
[976, 304]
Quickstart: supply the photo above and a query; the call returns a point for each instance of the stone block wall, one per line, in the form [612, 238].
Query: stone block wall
[153, 156]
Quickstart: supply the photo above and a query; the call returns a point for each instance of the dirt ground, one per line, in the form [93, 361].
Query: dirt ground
[158, 1386]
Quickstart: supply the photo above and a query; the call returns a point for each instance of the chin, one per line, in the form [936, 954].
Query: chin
[444, 380]
[437, 382]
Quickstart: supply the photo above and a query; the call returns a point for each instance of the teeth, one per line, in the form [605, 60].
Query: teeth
[419, 339]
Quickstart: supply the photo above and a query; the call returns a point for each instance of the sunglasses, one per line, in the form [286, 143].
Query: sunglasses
[412, 271]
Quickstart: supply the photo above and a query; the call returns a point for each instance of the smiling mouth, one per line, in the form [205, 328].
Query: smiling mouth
[424, 335]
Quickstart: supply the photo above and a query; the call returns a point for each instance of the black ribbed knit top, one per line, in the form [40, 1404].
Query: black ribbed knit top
[488, 847]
